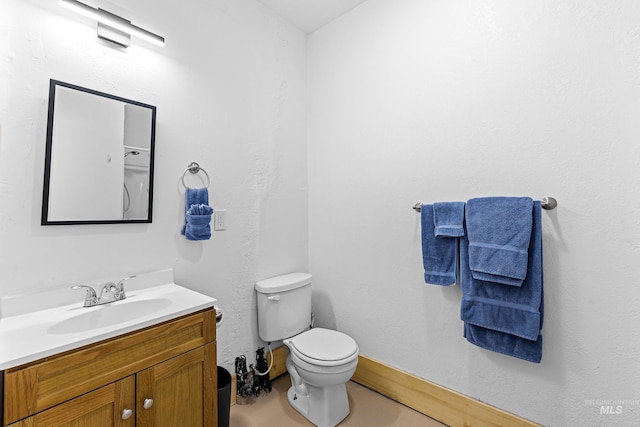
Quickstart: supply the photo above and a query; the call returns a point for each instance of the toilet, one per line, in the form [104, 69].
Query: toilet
[320, 361]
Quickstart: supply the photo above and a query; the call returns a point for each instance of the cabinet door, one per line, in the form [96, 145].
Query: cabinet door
[179, 392]
[105, 406]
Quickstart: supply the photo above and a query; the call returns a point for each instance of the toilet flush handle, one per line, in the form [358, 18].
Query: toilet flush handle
[274, 298]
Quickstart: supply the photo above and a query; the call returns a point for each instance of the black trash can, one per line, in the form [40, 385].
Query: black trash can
[224, 397]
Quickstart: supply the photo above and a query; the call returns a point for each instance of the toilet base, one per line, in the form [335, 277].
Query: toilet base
[324, 407]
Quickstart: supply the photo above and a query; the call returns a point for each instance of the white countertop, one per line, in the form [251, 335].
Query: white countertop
[26, 336]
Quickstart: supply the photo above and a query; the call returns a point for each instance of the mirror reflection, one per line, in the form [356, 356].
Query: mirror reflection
[99, 158]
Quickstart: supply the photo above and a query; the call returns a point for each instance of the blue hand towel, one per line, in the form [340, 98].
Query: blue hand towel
[499, 230]
[194, 196]
[439, 255]
[506, 319]
[448, 218]
[198, 222]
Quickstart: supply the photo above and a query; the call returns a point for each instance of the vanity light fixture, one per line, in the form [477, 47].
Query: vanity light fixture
[113, 27]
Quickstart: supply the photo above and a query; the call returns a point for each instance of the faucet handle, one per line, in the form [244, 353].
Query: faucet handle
[120, 284]
[120, 294]
[90, 297]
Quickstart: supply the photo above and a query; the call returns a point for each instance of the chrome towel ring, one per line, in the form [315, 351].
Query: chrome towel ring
[194, 168]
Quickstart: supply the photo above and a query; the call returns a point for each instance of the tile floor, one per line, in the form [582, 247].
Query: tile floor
[368, 409]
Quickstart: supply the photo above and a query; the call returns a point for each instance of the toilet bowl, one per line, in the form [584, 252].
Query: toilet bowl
[320, 361]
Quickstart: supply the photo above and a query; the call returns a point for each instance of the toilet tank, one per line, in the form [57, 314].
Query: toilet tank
[284, 306]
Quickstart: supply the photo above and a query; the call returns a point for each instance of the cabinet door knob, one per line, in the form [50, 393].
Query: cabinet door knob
[126, 414]
[148, 403]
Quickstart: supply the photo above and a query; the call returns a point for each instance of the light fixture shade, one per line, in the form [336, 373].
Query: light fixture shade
[108, 32]
[113, 21]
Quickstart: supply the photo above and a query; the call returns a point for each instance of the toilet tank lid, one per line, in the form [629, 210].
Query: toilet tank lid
[283, 283]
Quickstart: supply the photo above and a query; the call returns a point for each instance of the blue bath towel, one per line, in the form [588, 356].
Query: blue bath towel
[198, 222]
[504, 343]
[506, 319]
[193, 196]
[439, 254]
[448, 218]
[499, 230]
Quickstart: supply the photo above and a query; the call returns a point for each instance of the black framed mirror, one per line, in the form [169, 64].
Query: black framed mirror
[99, 158]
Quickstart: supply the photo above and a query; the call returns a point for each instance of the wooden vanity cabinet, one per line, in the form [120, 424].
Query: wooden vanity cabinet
[164, 375]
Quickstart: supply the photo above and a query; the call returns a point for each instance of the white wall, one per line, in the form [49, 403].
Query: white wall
[229, 88]
[424, 101]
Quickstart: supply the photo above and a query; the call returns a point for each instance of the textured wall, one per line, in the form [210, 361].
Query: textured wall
[447, 100]
[229, 88]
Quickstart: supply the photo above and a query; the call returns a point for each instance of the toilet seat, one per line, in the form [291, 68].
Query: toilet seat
[324, 347]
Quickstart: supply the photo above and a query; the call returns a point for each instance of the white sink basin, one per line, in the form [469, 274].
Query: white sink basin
[108, 315]
[152, 298]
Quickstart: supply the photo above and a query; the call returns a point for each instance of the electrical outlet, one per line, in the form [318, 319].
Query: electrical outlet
[220, 219]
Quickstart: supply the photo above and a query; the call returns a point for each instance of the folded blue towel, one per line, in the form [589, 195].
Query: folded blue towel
[200, 209]
[448, 218]
[198, 222]
[504, 343]
[506, 319]
[193, 196]
[439, 254]
[499, 230]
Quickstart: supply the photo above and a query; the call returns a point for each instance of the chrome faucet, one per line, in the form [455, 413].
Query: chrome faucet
[110, 292]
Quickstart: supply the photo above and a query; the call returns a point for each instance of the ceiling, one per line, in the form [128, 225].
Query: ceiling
[309, 15]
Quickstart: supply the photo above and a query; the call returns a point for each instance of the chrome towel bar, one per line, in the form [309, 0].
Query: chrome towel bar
[547, 203]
